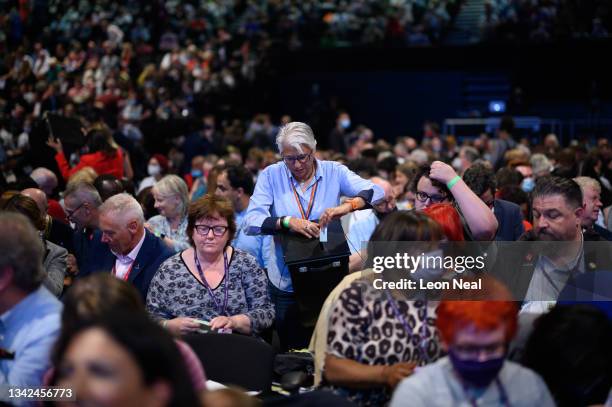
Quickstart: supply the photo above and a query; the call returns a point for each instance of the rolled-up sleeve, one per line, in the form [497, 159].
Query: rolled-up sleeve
[352, 185]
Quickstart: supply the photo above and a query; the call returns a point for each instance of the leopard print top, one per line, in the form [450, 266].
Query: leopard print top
[364, 327]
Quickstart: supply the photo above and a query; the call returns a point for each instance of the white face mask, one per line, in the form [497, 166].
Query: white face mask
[153, 169]
[457, 164]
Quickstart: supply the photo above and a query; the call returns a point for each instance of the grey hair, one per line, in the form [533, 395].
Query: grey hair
[586, 182]
[125, 206]
[172, 185]
[540, 164]
[296, 135]
[84, 192]
[470, 153]
[44, 177]
[22, 251]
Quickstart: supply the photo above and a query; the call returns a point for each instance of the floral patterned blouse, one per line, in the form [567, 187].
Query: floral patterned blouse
[175, 292]
[161, 226]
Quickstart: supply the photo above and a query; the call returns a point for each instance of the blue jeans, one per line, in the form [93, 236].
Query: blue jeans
[291, 333]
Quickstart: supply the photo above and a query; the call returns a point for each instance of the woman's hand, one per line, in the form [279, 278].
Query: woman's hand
[223, 323]
[55, 144]
[334, 213]
[394, 374]
[304, 227]
[442, 172]
[182, 325]
[237, 323]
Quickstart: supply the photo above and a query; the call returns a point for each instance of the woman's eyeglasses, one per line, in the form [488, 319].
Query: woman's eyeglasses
[203, 230]
[301, 158]
[422, 196]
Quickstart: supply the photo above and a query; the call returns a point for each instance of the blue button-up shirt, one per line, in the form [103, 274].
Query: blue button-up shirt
[29, 330]
[274, 197]
[259, 246]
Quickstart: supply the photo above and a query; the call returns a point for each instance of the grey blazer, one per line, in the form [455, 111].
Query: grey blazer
[55, 268]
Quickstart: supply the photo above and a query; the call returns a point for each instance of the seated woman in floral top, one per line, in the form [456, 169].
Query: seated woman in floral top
[211, 281]
[171, 200]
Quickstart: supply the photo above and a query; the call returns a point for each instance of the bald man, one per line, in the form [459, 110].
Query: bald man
[47, 182]
[55, 231]
[361, 224]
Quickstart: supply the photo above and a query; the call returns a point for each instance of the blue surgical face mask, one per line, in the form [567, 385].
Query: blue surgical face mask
[475, 372]
[528, 184]
[345, 123]
[196, 173]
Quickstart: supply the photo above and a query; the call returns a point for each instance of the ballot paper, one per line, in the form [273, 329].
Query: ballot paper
[323, 235]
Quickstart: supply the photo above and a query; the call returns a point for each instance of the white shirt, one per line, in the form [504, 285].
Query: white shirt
[123, 264]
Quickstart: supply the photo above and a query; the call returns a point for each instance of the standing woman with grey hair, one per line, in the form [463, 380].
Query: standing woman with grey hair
[171, 200]
[290, 196]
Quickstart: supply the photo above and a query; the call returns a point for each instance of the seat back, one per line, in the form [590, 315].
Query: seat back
[233, 359]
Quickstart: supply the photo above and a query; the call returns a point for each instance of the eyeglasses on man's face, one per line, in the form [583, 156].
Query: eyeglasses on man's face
[203, 230]
[434, 198]
[301, 158]
[70, 213]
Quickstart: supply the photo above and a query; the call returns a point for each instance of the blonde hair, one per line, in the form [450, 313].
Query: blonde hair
[172, 185]
[86, 174]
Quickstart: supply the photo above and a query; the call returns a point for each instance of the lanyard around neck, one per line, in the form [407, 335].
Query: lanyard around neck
[398, 315]
[127, 275]
[313, 193]
[503, 396]
[220, 311]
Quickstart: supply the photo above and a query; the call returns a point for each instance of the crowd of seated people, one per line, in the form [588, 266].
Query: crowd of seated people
[114, 251]
[544, 21]
[217, 262]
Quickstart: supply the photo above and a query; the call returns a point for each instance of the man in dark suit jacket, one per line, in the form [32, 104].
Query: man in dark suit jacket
[555, 249]
[137, 253]
[591, 199]
[81, 203]
[481, 180]
[510, 220]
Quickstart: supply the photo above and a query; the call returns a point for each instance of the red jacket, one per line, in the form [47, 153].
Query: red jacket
[99, 161]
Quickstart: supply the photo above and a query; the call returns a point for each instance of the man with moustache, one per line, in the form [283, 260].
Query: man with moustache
[557, 253]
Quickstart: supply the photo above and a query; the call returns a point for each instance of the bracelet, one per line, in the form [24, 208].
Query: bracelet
[285, 221]
[353, 203]
[453, 181]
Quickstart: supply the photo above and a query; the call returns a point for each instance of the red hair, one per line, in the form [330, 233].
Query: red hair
[486, 309]
[446, 216]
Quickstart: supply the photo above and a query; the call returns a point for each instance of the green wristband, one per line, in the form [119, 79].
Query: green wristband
[286, 220]
[452, 182]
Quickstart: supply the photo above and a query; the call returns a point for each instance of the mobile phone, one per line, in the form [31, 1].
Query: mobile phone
[204, 326]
